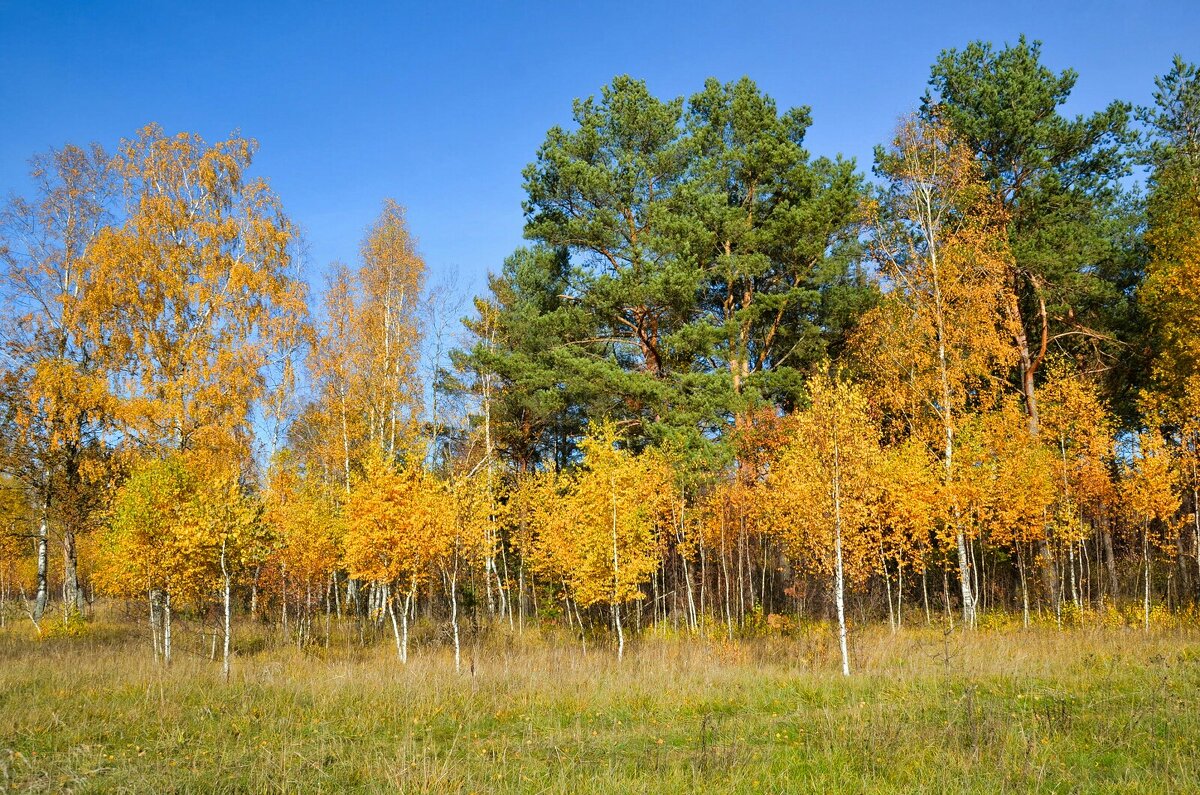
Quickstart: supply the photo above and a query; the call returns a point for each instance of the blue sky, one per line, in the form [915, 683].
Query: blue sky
[440, 105]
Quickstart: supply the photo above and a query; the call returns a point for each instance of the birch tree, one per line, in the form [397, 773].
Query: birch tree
[821, 488]
[940, 344]
[613, 508]
[397, 522]
[53, 382]
[192, 297]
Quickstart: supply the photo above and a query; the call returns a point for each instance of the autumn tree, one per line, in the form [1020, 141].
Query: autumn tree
[606, 542]
[820, 490]
[534, 520]
[1188, 435]
[1057, 180]
[303, 516]
[940, 343]
[230, 518]
[728, 515]
[397, 529]
[364, 360]
[1007, 487]
[1079, 430]
[478, 514]
[194, 295]
[905, 514]
[182, 530]
[55, 401]
[15, 548]
[1148, 491]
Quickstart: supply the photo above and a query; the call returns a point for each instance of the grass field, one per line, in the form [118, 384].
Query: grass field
[997, 711]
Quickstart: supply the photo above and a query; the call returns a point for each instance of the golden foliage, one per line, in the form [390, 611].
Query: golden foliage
[170, 523]
[599, 527]
[398, 522]
[822, 486]
[193, 297]
[364, 360]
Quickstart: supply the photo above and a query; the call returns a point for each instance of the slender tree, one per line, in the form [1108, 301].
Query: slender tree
[940, 343]
[820, 491]
[55, 402]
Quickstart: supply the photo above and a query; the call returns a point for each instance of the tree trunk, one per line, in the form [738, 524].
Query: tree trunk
[153, 599]
[1071, 564]
[726, 578]
[283, 596]
[167, 628]
[401, 643]
[228, 614]
[520, 596]
[408, 603]
[693, 619]
[73, 599]
[620, 631]
[43, 566]
[925, 594]
[1049, 574]
[1196, 511]
[454, 619]
[1110, 560]
[887, 582]
[839, 574]
[505, 606]
[1146, 591]
[1024, 587]
[946, 597]
[616, 603]
[964, 580]
[254, 594]
[337, 596]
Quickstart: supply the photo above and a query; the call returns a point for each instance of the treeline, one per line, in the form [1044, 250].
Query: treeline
[727, 383]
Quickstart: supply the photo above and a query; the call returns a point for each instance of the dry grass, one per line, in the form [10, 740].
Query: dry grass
[926, 711]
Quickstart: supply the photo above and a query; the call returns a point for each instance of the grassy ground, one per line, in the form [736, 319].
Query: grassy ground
[998, 711]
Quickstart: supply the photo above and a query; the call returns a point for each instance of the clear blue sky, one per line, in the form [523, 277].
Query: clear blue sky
[440, 105]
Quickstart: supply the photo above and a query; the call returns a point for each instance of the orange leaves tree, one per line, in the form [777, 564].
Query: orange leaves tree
[178, 532]
[398, 526]
[146, 550]
[195, 294]
[819, 493]
[601, 535]
[1007, 490]
[365, 356]
[15, 549]
[1148, 491]
[905, 515]
[1078, 429]
[52, 382]
[306, 528]
[477, 515]
[941, 342]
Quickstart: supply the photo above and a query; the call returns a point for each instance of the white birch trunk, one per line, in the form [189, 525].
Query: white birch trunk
[228, 614]
[839, 574]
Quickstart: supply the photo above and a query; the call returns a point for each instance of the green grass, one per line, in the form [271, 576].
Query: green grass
[997, 711]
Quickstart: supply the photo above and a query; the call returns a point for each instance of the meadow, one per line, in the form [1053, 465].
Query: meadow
[1102, 709]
